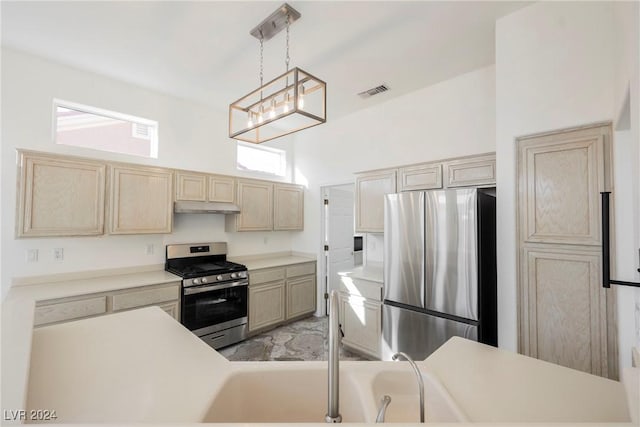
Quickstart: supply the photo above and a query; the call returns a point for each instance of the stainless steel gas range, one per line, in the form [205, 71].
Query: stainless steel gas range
[214, 292]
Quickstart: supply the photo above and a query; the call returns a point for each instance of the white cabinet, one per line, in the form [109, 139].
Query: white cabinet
[361, 321]
[427, 176]
[371, 188]
[288, 207]
[165, 296]
[361, 315]
[60, 196]
[200, 187]
[472, 171]
[141, 200]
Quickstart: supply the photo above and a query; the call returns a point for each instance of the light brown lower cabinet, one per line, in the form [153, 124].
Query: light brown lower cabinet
[281, 294]
[361, 320]
[266, 305]
[166, 296]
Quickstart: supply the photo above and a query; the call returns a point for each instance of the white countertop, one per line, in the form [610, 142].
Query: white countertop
[18, 317]
[269, 261]
[371, 271]
[493, 385]
[142, 365]
[134, 366]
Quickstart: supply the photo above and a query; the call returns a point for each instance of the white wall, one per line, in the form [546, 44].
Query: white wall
[191, 136]
[555, 68]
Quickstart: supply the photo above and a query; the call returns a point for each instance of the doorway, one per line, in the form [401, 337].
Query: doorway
[337, 235]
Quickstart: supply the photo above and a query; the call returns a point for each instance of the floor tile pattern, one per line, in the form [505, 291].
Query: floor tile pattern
[304, 339]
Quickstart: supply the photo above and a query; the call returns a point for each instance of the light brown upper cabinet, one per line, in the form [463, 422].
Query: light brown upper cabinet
[288, 207]
[222, 189]
[371, 188]
[141, 200]
[59, 196]
[255, 199]
[472, 171]
[427, 176]
[193, 186]
[565, 315]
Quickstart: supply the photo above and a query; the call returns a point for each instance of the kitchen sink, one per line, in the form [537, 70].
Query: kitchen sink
[402, 387]
[282, 394]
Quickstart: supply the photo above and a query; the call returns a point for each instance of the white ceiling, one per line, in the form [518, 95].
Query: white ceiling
[203, 51]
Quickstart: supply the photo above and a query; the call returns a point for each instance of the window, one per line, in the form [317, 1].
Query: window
[83, 126]
[262, 159]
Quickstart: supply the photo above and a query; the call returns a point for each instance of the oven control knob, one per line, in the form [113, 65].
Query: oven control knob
[204, 280]
[234, 275]
[219, 277]
[196, 281]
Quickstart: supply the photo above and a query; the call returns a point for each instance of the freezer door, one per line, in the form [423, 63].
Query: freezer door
[451, 267]
[418, 334]
[404, 248]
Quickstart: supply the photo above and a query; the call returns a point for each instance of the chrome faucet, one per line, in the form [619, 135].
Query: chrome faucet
[384, 403]
[335, 336]
[418, 377]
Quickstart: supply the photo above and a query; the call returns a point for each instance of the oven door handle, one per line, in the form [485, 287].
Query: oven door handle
[200, 289]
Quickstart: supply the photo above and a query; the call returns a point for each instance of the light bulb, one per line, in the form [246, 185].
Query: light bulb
[272, 112]
[250, 121]
[261, 115]
[301, 97]
[287, 101]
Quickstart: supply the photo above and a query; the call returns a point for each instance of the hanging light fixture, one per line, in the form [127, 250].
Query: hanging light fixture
[291, 102]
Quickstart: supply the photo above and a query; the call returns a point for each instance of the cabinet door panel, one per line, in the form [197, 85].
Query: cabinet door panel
[561, 182]
[420, 177]
[472, 171]
[301, 296]
[140, 298]
[222, 189]
[566, 308]
[256, 206]
[288, 207]
[191, 186]
[362, 324]
[266, 305]
[141, 200]
[370, 191]
[60, 196]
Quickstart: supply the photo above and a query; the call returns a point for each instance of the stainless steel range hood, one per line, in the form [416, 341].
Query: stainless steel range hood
[205, 207]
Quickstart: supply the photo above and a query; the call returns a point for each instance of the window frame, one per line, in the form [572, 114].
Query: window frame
[283, 159]
[153, 144]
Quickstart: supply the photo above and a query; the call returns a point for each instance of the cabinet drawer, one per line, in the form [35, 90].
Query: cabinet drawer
[70, 310]
[301, 269]
[144, 297]
[266, 275]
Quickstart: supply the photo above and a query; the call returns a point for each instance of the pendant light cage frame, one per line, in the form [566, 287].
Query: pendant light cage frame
[291, 102]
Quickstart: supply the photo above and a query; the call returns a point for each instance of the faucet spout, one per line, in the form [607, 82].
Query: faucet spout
[418, 377]
[333, 410]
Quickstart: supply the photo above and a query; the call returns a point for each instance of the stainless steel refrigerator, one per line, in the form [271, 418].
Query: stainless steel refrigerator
[439, 269]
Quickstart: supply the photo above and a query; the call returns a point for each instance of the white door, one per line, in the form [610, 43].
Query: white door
[338, 216]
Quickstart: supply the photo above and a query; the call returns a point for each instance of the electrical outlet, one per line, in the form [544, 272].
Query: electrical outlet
[32, 255]
[150, 249]
[58, 254]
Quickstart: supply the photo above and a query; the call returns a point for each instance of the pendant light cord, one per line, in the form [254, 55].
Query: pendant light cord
[286, 59]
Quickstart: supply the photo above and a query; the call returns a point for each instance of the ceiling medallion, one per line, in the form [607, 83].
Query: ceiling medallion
[291, 102]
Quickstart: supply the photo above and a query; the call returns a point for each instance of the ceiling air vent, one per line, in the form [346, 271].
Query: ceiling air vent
[374, 91]
[141, 131]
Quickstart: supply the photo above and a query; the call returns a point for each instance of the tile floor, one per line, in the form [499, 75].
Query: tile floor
[304, 339]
